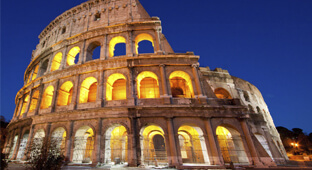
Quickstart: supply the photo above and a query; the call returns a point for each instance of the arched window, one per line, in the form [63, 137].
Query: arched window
[231, 145]
[88, 90]
[113, 42]
[147, 83]
[47, 97]
[44, 67]
[34, 75]
[83, 145]
[25, 102]
[93, 51]
[246, 96]
[73, 56]
[221, 93]
[181, 85]
[58, 140]
[56, 62]
[34, 100]
[65, 94]
[116, 87]
[145, 39]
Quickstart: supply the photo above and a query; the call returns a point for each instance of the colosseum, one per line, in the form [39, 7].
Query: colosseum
[91, 87]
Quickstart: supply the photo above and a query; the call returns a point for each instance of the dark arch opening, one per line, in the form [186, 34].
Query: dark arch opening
[145, 46]
[93, 51]
[44, 67]
[159, 146]
[120, 49]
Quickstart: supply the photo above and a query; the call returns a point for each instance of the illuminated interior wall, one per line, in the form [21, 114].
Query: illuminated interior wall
[113, 42]
[71, 56]
[34, 101]
[192, 145]
[83, 145]
[116, 144]
[149, 152]
[58, 139]
[147, 84]
[88, 90]
[90, 50]
[181, 85]
[231, 145]
[25, 102]
[264, 144]
[23, 142]
[221, 93]
[13, 146]
[65, 94]
[35, 73]
[47, 97]
[116, 87]
[56, 62]
[142, 37]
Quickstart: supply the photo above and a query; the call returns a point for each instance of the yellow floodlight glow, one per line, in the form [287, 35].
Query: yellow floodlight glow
[34, 76]
[142, 37]
[148, 88]
[56, 62]
[71, 56]
[113, 42]
[88, 90]
[188, 89]
[47, 97]
[65, 94]
[34, 100]
[116, 87]
[25, 102]
[221, 93]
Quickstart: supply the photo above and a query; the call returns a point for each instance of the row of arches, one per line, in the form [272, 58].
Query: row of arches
[116, 89]
[153, 144]
[116, 47]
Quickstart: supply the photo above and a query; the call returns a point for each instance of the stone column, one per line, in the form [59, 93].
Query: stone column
[100, 100]
[64, 58]
[22, 99]
[157, 42]
[250, 143]
[97, 144]
[201, 97]
[165, 95]
[106, 44]
[75, 97]
[69, 142]
[133, 144]
[29, 101]
[55, 95]
[17, 145]
[216, 156]
[83, 53]
[173, 159]
[41, 88]
[130, 47]
[50, 62]
[16, 115]
[132, 88]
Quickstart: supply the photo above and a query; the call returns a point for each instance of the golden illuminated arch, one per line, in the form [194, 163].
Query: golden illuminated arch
[116, 143]
[71, 56]
[142, 37]
[116, 87]
[47, 97]
[25, 102]
[34, 101]
[181, 84]
[56, 62]
[113, 42]
[34, 75]
[147, 84]
[231, 145]
[221, 93]
[65, 94]
[88, 90]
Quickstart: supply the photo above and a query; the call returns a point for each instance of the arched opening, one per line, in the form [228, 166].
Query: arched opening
[113, 42]
[34, 101]
[144, 43]
[116, 87]
[36, 146]
[153, 146]
[73, 56]
[88, 90]
[44, 67]
[84, 144]
[24, 106]
[34, 75]
[181, 85]
[56, 62]
[28, 77]
[258, 109]
[13, 146]
[22, 148]
[246, 96]
[251, 110]
[47, 97]
[65, 94]
[147, 84]
[192, 145]
[231, 145]
[116, 145]
[264, 143]
[221, 93]
[93, 51]
[58, 140]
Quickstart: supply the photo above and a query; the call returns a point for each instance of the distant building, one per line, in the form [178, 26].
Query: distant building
[152, 109]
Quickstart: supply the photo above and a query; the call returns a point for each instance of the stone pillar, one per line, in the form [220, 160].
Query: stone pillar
[75, 97]
[132, 88]
[215, 155]
[69, 142]
[17, 108]
[29, 101]
[22, 99]
[50, 63]
[83, 53]
[130, 47]
[173, 159]
[40, 97]
[100, 98]
[133, 144]
[103, 49]
[157, 42]
[97, 144]
[64, 58]
[250, 144]
[55, 95]
[201, 97]
[17, 145]
[106, 44]
[164, 84]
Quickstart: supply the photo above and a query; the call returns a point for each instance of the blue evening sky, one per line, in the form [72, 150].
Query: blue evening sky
[266, 42]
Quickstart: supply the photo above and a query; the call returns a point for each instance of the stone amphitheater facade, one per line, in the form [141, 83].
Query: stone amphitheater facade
[151, 109]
